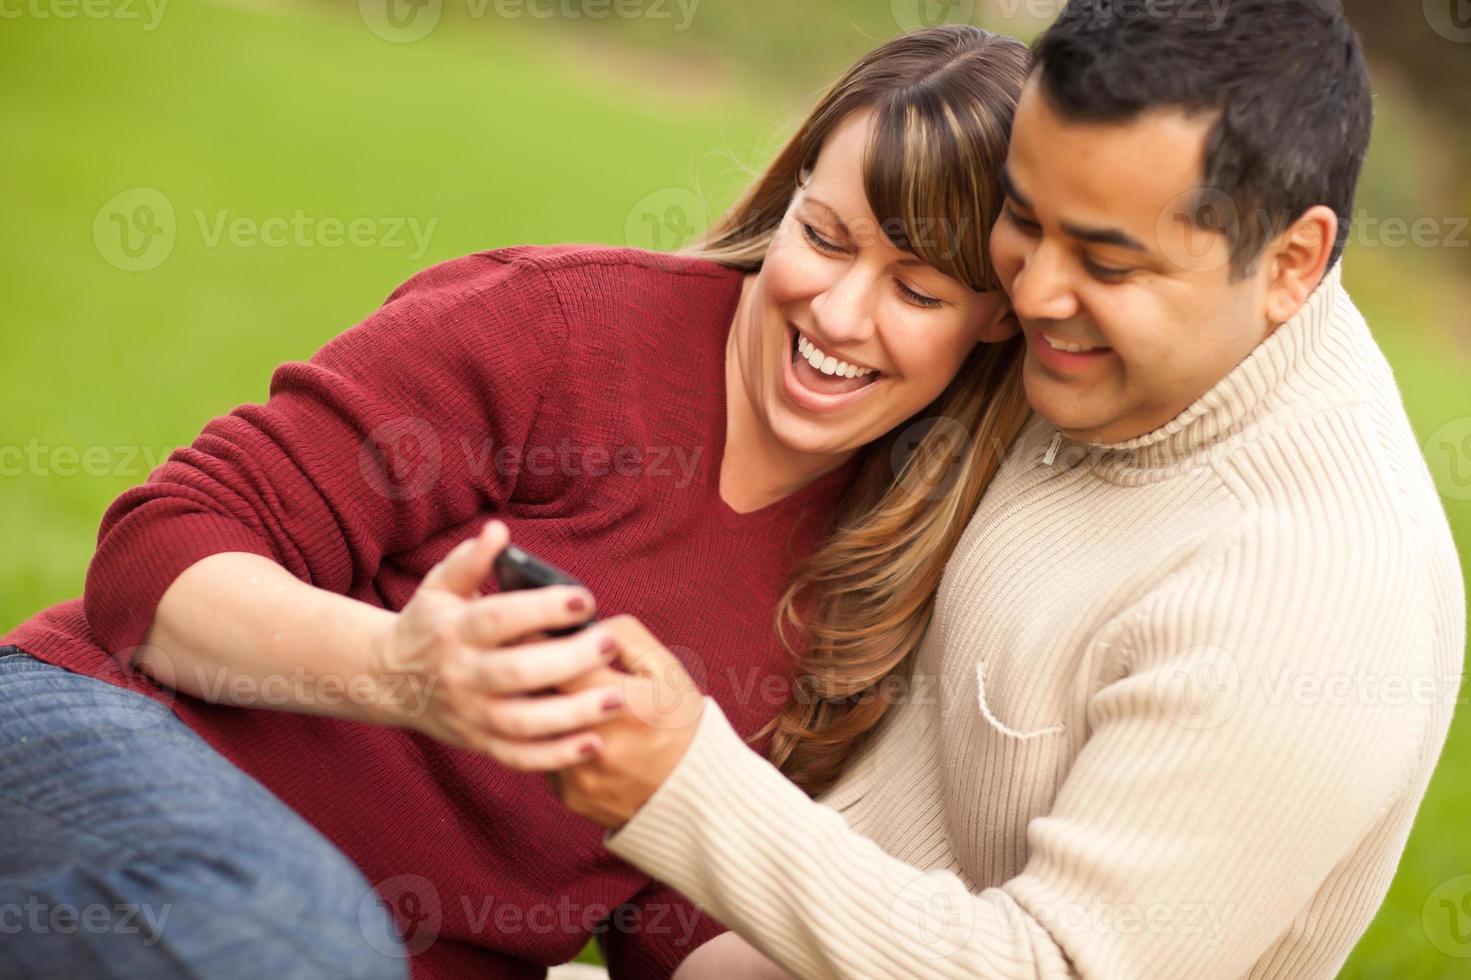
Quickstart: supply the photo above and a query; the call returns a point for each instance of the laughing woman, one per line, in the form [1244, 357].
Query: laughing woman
[325, 555]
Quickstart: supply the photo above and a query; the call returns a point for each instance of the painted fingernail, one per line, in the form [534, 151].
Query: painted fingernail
[576, 604]
[607, 645]
[588, 751]
[612, 702]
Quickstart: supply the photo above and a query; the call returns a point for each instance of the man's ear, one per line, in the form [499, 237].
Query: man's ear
[1297, 260]
[1000, 323]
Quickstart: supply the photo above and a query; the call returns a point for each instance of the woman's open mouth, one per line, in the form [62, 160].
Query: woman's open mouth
[819, 381]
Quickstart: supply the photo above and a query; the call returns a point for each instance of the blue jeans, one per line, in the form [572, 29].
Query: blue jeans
[131, 848]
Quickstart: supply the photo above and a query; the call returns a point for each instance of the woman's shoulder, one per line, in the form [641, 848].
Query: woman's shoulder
[604, 282]
[593, 261]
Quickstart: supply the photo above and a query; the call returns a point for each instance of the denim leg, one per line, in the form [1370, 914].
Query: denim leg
[131, 848]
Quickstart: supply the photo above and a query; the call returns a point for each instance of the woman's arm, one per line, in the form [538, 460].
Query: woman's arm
[375, 446]
[227, 574]
[237, 628]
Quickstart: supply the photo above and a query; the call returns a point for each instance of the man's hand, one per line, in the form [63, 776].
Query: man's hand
[641, 745]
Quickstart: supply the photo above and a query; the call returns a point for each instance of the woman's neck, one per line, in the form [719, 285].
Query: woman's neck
[757, 469]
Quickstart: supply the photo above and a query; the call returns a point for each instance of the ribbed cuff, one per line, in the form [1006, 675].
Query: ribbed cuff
[668, 834]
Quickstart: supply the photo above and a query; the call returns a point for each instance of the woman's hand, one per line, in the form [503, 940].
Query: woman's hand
[458, 667]
[643, 743]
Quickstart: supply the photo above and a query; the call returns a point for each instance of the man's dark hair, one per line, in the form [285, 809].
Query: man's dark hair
[1287, 77]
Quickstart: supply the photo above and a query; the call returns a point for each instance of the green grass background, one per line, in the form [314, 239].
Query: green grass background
[499, 133]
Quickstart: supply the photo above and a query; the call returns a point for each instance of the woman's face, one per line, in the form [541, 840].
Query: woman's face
[845, 336]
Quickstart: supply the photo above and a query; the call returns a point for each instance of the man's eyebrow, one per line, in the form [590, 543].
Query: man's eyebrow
[1105, 236]
[1096, 236]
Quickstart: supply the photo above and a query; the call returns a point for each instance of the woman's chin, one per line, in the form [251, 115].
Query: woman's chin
[809, 438]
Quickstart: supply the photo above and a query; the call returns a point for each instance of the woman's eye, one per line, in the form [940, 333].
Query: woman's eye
[918, 299]
[1025, 224]
[820, 243]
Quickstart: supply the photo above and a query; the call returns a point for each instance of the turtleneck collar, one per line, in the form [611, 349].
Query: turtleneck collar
[1291, 351]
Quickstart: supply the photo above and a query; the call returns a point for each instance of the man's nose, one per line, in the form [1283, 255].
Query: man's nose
[1043, 290]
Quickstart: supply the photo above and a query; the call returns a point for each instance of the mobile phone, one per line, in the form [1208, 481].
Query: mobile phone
[518, 569]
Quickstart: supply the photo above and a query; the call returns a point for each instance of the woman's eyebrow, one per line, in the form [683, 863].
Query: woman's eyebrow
[831, 213]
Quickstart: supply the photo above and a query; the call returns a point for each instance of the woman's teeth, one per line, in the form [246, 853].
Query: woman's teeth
[1063, 345]
[828, 364]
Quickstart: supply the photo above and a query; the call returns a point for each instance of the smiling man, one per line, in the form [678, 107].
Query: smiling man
[1194, 658]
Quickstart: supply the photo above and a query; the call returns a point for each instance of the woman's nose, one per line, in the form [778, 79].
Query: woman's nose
[845, 310]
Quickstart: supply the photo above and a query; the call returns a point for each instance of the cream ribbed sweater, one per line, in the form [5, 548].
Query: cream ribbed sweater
[1178, 705]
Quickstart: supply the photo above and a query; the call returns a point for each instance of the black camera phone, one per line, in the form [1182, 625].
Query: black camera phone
[518, 569]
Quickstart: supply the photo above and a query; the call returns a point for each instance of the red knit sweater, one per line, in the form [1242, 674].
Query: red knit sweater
[577, 392]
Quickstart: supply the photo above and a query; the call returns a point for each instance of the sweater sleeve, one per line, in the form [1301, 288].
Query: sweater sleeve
[402, 426]
[1205, 808]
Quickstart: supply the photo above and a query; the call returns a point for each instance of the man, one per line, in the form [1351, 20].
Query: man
[1198, 648]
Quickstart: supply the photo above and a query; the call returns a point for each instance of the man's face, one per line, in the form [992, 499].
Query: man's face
[1097, 251]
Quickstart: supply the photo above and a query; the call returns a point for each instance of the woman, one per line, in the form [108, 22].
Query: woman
[676, 431]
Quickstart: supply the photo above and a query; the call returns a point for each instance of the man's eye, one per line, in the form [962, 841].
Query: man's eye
[1025, 224]
[1106, 273]
[820, 243]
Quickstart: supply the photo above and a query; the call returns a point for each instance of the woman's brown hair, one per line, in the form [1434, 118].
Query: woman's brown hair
[859, 605]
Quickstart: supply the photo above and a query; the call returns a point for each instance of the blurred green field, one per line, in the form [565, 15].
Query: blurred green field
[478, 137]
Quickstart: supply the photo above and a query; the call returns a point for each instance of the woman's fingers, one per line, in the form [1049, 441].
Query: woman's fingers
[547, 756]
[497, 620]
[462, 571]
[557, 714]
[534, 666]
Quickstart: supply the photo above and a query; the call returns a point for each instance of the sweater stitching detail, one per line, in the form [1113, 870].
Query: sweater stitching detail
[620, 257]
[1003, 727]
[554, 372]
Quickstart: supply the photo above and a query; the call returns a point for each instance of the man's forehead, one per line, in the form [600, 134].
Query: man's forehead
[1116, 173]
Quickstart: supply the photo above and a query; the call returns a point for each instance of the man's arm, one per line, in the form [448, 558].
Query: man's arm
[1179, 844]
